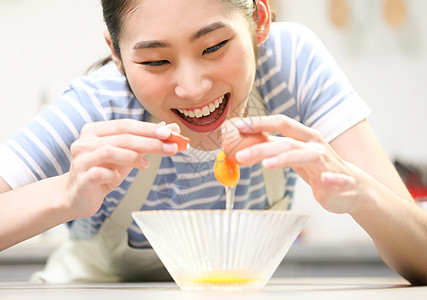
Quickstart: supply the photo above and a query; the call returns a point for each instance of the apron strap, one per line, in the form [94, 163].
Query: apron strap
[137, 193]
[274, 179]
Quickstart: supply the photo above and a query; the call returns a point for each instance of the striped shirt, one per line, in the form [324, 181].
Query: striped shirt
[296, 76]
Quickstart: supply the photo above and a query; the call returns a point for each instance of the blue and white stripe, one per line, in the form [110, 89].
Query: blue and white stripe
[295, 75]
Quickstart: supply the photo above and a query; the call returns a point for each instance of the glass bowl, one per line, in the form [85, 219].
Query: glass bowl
[220, 249]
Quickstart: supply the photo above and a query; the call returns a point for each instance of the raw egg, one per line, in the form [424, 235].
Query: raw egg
[233, 140]
[226, 171]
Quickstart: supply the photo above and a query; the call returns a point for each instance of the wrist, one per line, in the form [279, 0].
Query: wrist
[60, 202]
[365, 193]
[367, 202]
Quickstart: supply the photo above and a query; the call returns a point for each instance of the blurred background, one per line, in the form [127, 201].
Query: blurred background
[380, 44]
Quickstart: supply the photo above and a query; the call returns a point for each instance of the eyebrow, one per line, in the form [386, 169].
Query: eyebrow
[205, 30]
[150, 44]
[161, 44]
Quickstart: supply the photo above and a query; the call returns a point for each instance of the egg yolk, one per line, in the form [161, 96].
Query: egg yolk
[226, 277]
[223, 280]
[226, 171]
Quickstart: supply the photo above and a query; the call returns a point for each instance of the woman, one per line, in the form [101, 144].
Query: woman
[192, 65]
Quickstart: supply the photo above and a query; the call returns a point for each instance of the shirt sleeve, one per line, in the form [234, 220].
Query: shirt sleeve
[10, 163]
[298, 77]
[325, 97]
[41, 149]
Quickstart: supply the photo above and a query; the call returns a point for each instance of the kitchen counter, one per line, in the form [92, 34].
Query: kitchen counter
[278, 288]
[19, 262]
[307, 272]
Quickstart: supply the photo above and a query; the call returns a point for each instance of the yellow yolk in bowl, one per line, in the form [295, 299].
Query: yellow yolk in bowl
[223, 280]
[226, 277]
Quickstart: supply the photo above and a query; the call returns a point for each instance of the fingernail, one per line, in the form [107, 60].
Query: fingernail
[270, 163]
[244, 125]
[174, 127]
[163, 132]
[170, 148]
[243, 155]
[239, 123]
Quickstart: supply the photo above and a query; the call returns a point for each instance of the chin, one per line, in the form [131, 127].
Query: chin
[206, 141]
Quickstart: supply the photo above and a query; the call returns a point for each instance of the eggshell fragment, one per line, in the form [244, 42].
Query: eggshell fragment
[181, 141]
[233, 140]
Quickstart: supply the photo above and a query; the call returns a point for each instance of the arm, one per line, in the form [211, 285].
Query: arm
[28, 211]
[389, 215]
[102, 157]
[350, 175]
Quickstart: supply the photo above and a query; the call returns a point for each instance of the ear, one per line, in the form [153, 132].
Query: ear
[263, 20]
[114, 56]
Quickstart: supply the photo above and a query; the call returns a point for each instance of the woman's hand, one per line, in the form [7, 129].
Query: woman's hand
[332, 180]
[372, 193]
[101, 159]
[104, 155]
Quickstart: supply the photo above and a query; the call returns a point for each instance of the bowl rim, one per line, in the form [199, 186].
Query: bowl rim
[219, 211]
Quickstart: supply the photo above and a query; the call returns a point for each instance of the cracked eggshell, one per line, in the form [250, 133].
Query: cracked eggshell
[233, 140]
[182, 141]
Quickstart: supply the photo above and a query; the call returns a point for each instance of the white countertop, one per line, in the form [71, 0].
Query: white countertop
[278, 288]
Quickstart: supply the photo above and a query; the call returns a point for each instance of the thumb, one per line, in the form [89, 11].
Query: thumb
[174, 127]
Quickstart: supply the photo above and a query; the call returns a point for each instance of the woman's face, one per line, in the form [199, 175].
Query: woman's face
[189, 62]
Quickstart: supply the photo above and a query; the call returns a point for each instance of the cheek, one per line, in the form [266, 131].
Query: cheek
[241, 72]
[243, 63]
[143, 84]
[241, 66]
[147, 88]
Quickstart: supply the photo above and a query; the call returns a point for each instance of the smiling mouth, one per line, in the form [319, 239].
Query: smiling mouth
[205, 115]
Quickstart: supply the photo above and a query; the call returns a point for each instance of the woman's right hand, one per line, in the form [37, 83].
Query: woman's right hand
[104, 155]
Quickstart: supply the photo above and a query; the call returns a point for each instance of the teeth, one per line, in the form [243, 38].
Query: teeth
[204, 111]
[198, 113]
[183, 111]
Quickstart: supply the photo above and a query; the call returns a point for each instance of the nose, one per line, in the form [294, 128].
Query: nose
[192, 82]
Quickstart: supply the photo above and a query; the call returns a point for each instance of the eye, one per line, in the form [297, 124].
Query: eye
[156, 63]
[215, 48]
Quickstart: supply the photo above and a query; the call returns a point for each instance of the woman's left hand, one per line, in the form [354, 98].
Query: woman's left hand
[332, 180]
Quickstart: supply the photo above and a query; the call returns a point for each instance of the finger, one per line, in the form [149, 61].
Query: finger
[110, 158]
[293, 159]
[174, 127]
[127, 126]
[108, 155]
[276, 146]
[338, 181]
[100, 175]
[278, 123]
[139, 144]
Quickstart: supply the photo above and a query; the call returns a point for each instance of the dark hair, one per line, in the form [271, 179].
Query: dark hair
[114, 12]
